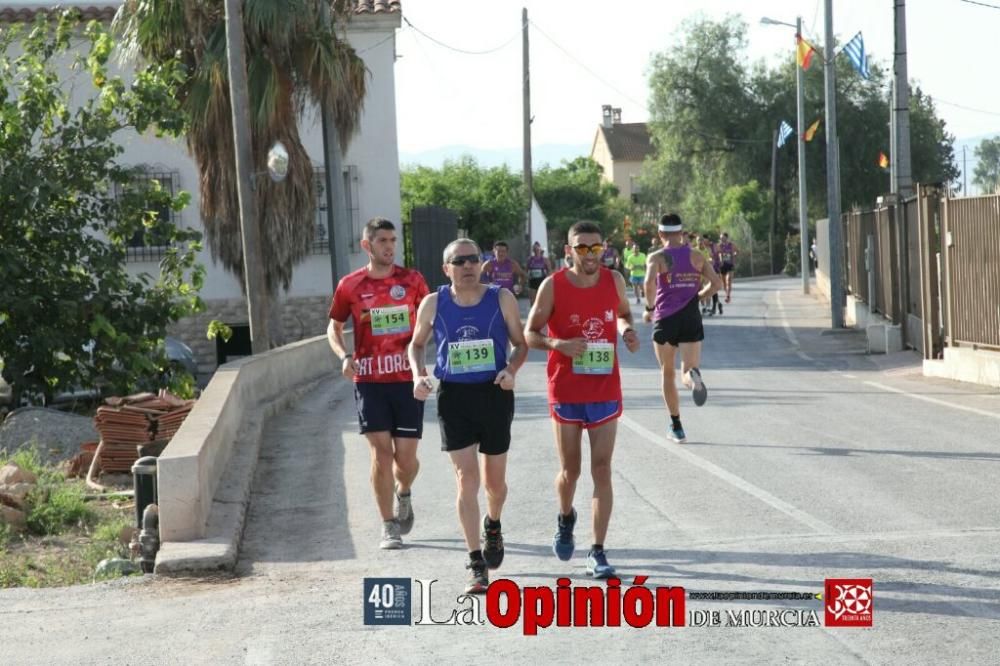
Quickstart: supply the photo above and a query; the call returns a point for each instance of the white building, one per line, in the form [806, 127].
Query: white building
[371, 166]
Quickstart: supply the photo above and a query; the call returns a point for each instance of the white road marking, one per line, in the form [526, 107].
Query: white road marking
[784, 321]
[679, 451]
[943, 403]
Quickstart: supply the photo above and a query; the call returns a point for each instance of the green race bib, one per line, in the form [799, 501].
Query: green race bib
[599, 359]
[388, 321]
[471, 356]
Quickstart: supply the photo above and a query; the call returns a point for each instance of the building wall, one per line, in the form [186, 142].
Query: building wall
[373, 151]
[624, 172]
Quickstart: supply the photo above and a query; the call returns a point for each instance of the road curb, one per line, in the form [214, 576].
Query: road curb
[220, 548]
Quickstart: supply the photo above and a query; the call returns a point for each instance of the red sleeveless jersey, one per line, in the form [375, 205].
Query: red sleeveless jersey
[590, 313]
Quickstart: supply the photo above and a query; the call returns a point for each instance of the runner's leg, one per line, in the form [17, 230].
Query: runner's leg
[568, 438]
[380, 446]
[467, 500]
[602, 446]
[494, 471]
[665, 355]
[406, 465]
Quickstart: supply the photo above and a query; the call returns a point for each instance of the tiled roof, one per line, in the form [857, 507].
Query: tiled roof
[376, 7]
[26, 14]
[628, 142]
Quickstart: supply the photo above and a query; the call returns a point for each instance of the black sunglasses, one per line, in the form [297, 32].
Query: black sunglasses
[461, 259]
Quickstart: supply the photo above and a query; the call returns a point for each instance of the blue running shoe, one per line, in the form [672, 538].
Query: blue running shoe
[562, 543]
[698, 390]
[597, 565]
[677, 433]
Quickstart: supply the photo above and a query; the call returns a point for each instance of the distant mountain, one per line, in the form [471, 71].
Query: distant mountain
[551, 153]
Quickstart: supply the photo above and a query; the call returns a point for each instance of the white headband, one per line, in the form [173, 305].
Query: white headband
[669, 228]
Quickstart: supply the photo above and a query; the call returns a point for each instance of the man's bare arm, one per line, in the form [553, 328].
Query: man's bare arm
[538, 317]
[417, 349]
[515, 333]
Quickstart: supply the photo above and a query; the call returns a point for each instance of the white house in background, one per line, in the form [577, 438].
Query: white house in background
[620, 149]
[371, 172]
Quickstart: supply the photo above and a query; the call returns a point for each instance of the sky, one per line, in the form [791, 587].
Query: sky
[586, 53]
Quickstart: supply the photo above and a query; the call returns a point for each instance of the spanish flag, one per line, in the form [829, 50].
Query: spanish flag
[804, 52]
[883, 160]
[811, 132]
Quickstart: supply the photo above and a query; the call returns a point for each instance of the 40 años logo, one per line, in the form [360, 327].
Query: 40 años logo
[566, 605]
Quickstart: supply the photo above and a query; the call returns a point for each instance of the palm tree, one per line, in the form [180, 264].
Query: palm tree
[295, 62]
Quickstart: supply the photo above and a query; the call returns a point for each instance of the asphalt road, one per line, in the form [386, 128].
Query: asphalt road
[810, 461]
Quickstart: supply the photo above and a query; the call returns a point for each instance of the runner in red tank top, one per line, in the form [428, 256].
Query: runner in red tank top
[585, 308]
[382, 299]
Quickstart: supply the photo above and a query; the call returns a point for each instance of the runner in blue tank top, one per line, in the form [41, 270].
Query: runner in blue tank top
[674, 284]
[480, 347]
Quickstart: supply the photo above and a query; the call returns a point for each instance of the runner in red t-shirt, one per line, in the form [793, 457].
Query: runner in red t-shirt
[382, 299]
[585, 308]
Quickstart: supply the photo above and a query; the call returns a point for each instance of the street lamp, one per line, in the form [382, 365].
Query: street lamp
[800, 104]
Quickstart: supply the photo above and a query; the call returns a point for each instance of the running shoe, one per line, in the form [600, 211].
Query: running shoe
[404, 512]
[492, 544]
[478, 579]
[390, 536]
[562, 543]
[597, 565]
[677, 433]
[698, 390]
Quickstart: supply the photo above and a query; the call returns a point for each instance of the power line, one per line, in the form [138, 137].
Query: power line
[583, 66]
[965, 108]
[981, 4]
[455, 48]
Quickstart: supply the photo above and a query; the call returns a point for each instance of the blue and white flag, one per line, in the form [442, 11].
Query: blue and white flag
[784, 131]
[855, 50]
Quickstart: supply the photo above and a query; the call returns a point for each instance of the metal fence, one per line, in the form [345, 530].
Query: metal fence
[930, 264]
[971, 265]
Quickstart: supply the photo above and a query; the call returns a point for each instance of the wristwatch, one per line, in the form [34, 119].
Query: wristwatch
[649, 309]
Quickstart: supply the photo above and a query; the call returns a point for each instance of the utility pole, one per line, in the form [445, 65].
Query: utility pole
[528, 185]
[336, 200]
[800, 113]
[965, 171]
[253, 270]
[903, 181]
[833, 176]
[774, 198]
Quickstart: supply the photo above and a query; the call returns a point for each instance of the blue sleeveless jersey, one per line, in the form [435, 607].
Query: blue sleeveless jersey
[462, 334]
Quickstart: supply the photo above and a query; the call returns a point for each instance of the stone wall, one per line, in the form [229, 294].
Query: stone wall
[301, 318]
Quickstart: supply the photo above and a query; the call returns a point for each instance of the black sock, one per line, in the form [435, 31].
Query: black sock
[675, 420]
[492, 524]
[596, 547]
[475, 555]
[567, 519]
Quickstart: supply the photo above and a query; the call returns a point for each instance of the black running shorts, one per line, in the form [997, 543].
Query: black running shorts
[726, 267]
[682, 326]
[535, 283]
[475, 414]
[389, 407]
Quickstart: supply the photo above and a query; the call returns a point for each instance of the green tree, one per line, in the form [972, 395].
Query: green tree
[713, 117]
[575, 191]
[72, 314]
[295, 61]
[987, 172]
[489, 202]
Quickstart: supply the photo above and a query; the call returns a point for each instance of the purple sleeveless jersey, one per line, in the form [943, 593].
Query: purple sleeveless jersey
[683, 284]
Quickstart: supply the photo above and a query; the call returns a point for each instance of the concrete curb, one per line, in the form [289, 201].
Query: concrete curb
[220, 450]
[219, 550]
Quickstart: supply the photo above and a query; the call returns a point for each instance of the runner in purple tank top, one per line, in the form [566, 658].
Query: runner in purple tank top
[539, 268]
[674, 285]
[504, 271]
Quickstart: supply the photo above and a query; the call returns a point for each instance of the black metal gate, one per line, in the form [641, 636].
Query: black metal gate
[431, 229]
